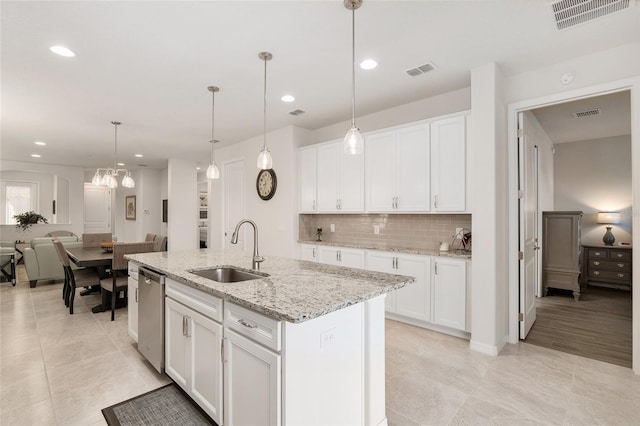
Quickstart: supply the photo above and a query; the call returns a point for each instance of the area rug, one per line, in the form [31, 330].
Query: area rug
[165, 406]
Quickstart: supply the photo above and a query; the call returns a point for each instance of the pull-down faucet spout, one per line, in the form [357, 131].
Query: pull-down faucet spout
[256, 256]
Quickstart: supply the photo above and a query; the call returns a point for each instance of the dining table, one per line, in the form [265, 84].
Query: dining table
[94, 257]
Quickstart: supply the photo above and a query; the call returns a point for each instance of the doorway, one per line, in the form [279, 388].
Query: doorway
[97, 209]
[631, 89]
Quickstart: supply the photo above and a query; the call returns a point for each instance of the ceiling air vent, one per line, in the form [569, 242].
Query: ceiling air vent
[421, 69]
[297, 112]
[587, 113]
[569, 13]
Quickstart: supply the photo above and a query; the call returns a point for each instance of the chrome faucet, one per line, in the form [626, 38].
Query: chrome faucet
[256, 256]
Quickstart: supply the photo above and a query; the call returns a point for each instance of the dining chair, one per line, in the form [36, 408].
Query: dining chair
[73, 279]
[94, 240]
[119, 279]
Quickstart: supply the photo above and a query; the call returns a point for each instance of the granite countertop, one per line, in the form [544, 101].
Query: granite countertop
[463, 254]
[295, 290]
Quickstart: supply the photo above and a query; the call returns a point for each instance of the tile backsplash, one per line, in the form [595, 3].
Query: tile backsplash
[413, 231]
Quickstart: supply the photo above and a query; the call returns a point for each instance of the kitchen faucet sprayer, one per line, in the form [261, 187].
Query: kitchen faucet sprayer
[256, 256]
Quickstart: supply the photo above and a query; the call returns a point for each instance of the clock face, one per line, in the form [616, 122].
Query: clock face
[266, 184]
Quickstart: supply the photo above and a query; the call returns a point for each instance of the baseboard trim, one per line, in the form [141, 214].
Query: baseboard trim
[429, 326]
[483, 348]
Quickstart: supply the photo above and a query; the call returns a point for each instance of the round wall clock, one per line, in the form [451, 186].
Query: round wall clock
[266, 184]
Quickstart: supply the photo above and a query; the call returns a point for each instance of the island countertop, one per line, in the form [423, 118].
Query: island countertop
[294, 291]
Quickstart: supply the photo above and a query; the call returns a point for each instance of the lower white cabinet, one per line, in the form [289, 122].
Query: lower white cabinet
[341, 256]
[192, 355]
[132, 303]
[449, 292]
[308, 252]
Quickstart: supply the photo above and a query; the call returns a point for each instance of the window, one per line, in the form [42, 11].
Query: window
[16, 198]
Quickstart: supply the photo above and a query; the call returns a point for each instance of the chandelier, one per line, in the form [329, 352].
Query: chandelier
[108, 178]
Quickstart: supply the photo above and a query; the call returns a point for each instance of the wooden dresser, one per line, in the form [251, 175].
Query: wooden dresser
[608, 266]
[561, 251]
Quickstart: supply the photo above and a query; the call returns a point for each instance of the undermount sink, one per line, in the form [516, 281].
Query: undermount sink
[228, 274]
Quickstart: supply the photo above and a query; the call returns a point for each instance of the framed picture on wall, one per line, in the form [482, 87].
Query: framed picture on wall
[204, 199]
[130, 207]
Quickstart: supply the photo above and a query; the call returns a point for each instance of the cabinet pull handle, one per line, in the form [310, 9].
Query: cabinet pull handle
[620, 275]
[314, 253]
[340, 256]
[595, 262]
[184, 325]
[337, 256]
[619, 254]
[397, 264]
[597, 253]
[247, 324]
[188, 327]
[436, 268]
[314, 205]
[435, 201]
[222, 349]
[136, 295]
[620, 265]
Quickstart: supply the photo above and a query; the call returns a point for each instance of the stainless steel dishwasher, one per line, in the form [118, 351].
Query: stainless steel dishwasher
[151, 316]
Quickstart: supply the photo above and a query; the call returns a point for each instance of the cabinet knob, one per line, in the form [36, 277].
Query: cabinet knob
[620, 265]
[619, 254]
[596, 272]
[620, 275]
[596, 263]
[597, 253]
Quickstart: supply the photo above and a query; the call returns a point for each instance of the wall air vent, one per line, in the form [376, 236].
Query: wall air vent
[587, 113]
[569, 13]
[297, 112]
[421, 69]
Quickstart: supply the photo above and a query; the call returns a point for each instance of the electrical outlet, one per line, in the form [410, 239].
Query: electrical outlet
[459, 233]
[376, 229]
[333, 227]
[327, 337]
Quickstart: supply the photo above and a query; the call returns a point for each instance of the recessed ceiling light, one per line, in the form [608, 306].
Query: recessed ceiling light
[35, 155]
[63, 51]
[197, 168]
[120, 164]
[288, 98]
[139, 155]
[40, 143]
[368, 64]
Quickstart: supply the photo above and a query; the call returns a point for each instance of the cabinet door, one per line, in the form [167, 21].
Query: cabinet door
[383, 262]
[308, 252]
[252, 382]
[327, 182]
[412, 184]
[327, 255]
[449, 293]
[380, 169]
[351, 181]
[414, 300]
[307, 179]
[448, 165]
[351, 258]
[176, 356]
[205, 378]
[132, 307]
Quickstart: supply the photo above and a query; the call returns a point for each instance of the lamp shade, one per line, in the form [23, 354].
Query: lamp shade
[609, 217]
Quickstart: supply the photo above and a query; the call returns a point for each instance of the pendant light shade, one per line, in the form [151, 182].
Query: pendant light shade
[109, 177]
[212, 171]
[265, 162]
[353, 143]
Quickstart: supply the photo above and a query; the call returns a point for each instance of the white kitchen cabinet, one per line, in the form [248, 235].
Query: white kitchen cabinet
[340, 179]
[307, 168]
[448, 165]
[308, 252]
[192, 355]
[413, 300]
[132, 304]
[397, 170]
[449, 292]
[341, 256]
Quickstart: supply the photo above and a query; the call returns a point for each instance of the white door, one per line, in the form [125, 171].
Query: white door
[448, 165]
[327, 255]
[307, 179]
[97, 209]
[414, 300]
[233, 208]
[528, 206]
[327, 200]
[176, 360]
[351, 258]
[380, 172]
[412, 150]
[383, 262]
[252, 383]
[308, 252]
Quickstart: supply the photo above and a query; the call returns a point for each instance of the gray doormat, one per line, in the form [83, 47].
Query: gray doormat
[167, 405]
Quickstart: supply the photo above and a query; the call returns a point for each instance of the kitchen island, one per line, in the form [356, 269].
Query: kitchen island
[303, 345]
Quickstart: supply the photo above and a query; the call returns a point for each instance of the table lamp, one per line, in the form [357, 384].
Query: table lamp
[608, 218]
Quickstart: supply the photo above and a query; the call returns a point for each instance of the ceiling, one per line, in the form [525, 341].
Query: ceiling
[148, 65]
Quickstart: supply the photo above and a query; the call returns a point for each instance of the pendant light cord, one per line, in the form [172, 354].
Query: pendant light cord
[213, 100]
[353, 68]
[264, 144]
[115, 147]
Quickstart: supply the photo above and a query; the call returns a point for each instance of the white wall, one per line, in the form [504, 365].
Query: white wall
[75, 177]
[593, 176]
[183, 205]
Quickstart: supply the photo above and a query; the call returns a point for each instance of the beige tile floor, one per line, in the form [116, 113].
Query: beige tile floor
[61, 369]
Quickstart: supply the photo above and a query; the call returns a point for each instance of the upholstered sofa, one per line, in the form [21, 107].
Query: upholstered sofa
[41, 260]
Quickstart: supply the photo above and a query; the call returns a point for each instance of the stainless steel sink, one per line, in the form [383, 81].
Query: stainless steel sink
[228, 274]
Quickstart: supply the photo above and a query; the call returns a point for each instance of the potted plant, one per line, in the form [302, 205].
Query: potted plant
[26, 219]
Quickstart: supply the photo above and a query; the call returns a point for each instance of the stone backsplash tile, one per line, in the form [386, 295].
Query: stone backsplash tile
[415, 231]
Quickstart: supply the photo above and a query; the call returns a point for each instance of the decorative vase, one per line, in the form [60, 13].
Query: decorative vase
[608, 238]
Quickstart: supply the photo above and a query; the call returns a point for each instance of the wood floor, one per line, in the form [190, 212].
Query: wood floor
[598, 326]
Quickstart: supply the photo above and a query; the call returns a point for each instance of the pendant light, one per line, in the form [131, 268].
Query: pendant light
[109, 176]
[353, 143]
[265, 162]
[212, 170]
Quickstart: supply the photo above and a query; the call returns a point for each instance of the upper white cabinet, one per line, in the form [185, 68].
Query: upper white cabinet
[397, 170]
[449, 292]
[307, 179]
[340, 180]
[448, 165]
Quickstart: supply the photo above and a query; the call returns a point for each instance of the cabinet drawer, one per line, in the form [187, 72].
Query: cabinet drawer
[610, 265]
[598, 254]
[613, 276]
[620, 255]
[205, 303]
[258, 327]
